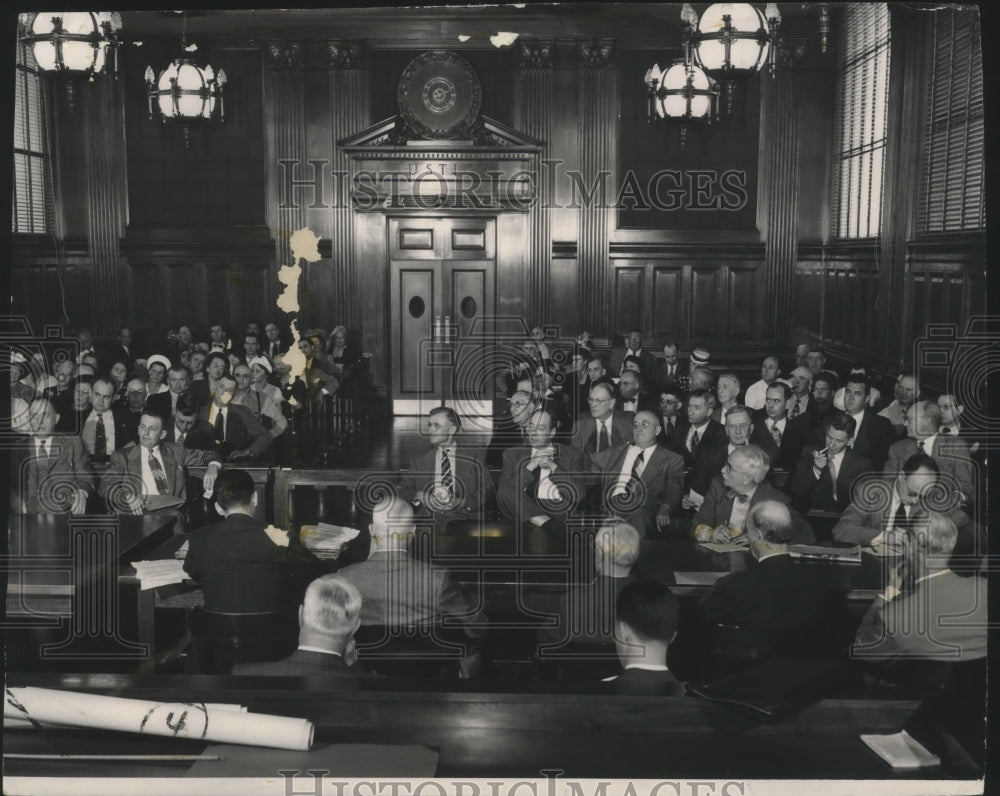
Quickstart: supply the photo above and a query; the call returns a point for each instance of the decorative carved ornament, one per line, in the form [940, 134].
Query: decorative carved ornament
[595, 53]
[283, 55]
[440, 97]
[343, 54]
[535, 53]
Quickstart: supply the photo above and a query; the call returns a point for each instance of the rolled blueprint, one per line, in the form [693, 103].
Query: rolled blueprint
[179, 720]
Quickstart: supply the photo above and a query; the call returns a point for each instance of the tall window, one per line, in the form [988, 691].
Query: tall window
[952, 191]
[862, 103]
[30, 214]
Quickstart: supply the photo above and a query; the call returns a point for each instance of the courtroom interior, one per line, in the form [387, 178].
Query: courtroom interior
[587, 387]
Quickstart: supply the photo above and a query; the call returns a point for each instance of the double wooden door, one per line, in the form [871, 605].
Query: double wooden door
[442, 289]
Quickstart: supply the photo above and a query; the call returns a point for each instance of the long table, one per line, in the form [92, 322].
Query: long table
[519, 730]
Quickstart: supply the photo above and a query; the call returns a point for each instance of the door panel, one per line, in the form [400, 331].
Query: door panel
[471, 294]
[415, 313]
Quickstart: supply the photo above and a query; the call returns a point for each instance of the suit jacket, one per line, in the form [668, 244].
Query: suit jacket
[869, 512]
[162, 403]
[241, 570]
[200, 438]
[126, 465]
[758, 597]
[810, 492]
[584, 437]
[681, 380]
[943, 618]
[646, 681]
[873, 438]
[37, 485]
[663, 479]
[473, 485]
[617, 357]
[714, 434]
[718, 506]
[808, 416]
[708, 463]
[243, 431]
[951, 455]
[787, 456]
[645, 401]
[126, 429]
[513, 493]
[304, 663]
[397, 590]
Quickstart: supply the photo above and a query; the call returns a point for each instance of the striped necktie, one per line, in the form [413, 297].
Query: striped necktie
[158, 475]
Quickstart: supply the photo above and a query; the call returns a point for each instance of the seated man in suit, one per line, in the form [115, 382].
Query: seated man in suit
[641, 482]
[669, 371]
[802, 355]
[241, 567]
[700, 429]
[824, 477]
[774, 592]
[905, 391]
[872, 434]
[239, 434]
[72, 412]
[396, 589]
[722, 516]
[328, 618]
[107, 428]
[178, 381]
[50, 473]
[923, 421]
[188, 430]
[139, 475]
[448, 482]
[219, 337]
[823, 389]
[646, 614]
[815, 360]
[632, 396]
[873, 397]
[800, 403]
[587, 614]
[883, 511]
[508, 426]
[770, 369]
[273, 344]
[633, 347]
[605, 427]
[727, 390]
[711, 458]
[777, 434]
[542, 482]
[927, 612]
[671, 404]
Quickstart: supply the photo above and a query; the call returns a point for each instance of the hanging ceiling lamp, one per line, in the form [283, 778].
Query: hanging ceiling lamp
[72, 42]
[184, 91]
[682, 94]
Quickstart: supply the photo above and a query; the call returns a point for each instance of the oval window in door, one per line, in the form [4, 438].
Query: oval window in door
[468, 307]
[417, 307]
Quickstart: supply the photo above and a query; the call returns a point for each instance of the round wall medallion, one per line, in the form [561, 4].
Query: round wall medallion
[439, 95]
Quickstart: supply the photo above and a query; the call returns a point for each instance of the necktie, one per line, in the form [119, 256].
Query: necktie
[446, 480]
[100, 437]
[670, 371]
[220, 426]
[776, 433]
[920, 446]
[732, 494]
[695, 439]
[670, 427]
[945, 430]
[158, 475]
[603, 438]
[180, 439]
[795, 409]
[832, 464]
[901, 522]
[42, 453]
[635, 471]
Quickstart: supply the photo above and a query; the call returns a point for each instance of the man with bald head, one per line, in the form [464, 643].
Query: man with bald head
[641, 481]
[399, 591]
[770, 369]
[800, 404]
[107, 429]
[178, 381]
[774, 592]
[905, 392]
[605, 427]
[670, 372]
[923, 424]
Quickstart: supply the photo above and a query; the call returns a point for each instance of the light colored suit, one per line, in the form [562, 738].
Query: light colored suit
[951, 455]
[126, 466]
[40, 485]
[663, 479]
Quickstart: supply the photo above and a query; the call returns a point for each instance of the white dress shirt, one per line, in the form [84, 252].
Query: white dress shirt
[627, 463]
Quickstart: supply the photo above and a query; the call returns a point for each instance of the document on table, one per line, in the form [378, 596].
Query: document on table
[340, 760]
[901, 750]
[697, 578]
[716, 547]
[159, 573]
[326, 540]
[851, 555]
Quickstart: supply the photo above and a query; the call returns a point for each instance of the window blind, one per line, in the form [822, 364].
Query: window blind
[29, 215]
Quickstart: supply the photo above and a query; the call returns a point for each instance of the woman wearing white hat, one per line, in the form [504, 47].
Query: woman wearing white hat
[157, 367]
[260, 372]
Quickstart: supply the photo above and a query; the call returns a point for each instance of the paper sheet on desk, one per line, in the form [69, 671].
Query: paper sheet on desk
[901, 750]
[340, 760]
[716, 547]
[162, 572]
[697, 578]
[326, 540]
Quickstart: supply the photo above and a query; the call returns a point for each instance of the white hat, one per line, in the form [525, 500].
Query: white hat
[700, 356]
[158, 358]
[264, 362]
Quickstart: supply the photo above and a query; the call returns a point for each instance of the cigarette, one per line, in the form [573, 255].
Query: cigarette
[822, 451]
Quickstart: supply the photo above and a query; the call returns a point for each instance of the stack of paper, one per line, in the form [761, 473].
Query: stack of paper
[325, 540]
[901, 750]
[159, 573]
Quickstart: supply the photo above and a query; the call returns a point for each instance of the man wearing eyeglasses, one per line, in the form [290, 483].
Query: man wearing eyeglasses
[605, 427]
[711, 458]
[722, 516]
[641, 482]
[509, 426]
[884, 508]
